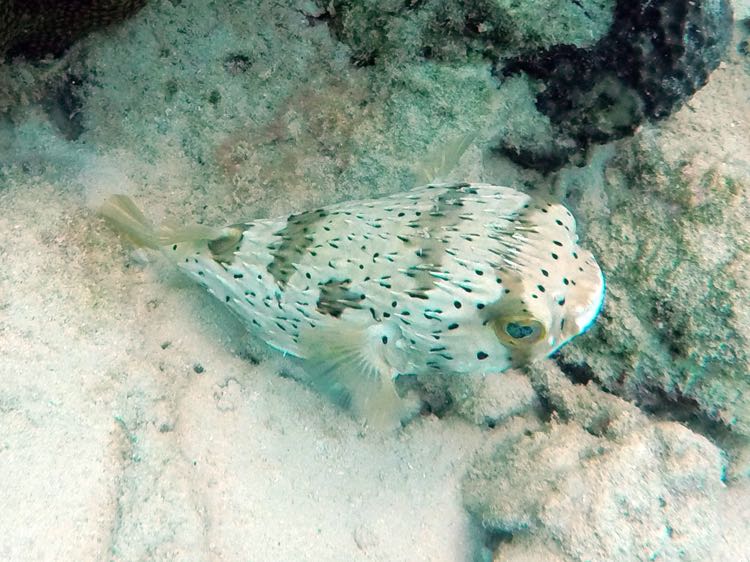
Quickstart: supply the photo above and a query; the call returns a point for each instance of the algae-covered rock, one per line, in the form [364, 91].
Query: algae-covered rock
[396, 30]
[674, 241]
[567, 494]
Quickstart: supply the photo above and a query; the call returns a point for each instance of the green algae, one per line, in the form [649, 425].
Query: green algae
[673, 242]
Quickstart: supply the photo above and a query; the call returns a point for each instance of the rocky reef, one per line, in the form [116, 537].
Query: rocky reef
[549, 494]
[600, 68]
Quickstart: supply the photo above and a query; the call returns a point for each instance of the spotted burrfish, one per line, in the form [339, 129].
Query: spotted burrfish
[461, 278]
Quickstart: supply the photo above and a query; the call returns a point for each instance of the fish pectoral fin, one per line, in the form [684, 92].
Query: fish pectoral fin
[345, 366]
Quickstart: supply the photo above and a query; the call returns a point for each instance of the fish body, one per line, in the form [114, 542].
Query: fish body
[455, 278]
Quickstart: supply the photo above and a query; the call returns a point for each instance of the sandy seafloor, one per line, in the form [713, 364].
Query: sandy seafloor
[139, 421]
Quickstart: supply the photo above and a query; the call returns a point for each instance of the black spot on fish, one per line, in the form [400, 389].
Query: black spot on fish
[417, 295]
[545, 273]
[457, 304]
[452, 326]
[335, 297]
[384, 339]
[481, 355]
[541, 288]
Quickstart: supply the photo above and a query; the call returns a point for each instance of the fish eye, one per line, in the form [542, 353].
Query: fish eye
[519, 330]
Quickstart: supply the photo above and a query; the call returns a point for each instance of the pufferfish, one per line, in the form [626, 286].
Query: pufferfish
[454, 278]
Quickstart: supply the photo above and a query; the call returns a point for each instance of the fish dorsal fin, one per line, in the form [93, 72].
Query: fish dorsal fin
[439, 163]
[345, 366]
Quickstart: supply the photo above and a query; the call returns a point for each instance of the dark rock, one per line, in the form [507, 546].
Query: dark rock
[36, 28]
[655, 57]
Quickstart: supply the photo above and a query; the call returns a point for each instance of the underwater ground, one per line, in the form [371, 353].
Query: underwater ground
[139, 420]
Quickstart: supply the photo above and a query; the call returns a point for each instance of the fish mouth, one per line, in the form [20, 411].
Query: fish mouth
[587, 318]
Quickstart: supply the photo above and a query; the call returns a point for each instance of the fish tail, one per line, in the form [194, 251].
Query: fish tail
[127, 219]
[169, 233]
